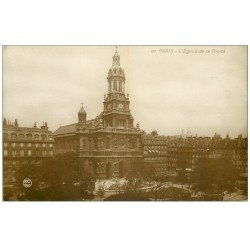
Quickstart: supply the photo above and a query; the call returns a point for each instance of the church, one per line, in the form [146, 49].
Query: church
[109, 145]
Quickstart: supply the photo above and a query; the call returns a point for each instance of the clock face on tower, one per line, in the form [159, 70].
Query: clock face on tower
[120, 106]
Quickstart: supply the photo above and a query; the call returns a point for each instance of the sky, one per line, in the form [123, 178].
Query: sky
[202, 89]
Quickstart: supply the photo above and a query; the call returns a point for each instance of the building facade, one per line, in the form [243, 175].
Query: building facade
[166, 153]
[24, 145]
[109, 145]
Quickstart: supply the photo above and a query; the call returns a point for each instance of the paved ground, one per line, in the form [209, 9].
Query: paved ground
[237, 196]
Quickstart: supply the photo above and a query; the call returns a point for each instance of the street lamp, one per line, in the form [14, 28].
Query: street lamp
[188, 177]
[116, 186]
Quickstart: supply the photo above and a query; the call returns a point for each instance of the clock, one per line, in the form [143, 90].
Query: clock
[120, 106]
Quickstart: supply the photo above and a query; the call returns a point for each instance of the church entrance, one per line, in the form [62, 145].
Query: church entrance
[108, 170]
[94, 164]
[121, 169]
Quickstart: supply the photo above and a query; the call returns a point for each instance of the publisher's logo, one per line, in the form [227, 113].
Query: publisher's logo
[27, 183]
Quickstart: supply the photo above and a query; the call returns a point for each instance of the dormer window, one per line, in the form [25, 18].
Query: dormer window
[36, 136]
[43, 137]
[29, 136]
[13, 136]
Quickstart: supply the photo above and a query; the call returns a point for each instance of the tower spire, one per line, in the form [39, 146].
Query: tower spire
[116, 76]
[82, 115]
[116, 58]
[116, 104]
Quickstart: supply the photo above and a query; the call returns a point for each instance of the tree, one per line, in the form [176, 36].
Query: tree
[58, 178]
[154, 133]
[101, 192]
[28, 171]
[87, 184]
[219, 173]
[139, 174]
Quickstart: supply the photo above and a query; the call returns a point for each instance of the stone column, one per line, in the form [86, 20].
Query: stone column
[123, 86]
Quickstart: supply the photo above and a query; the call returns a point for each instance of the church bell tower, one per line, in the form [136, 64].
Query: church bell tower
[116, 112]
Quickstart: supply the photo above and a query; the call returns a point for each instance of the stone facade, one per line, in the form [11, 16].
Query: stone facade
[163, 152]
[23, 145]
[109, 145]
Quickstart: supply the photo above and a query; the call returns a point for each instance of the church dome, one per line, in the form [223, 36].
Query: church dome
[116, 69]
[82, 110]
[82, 115]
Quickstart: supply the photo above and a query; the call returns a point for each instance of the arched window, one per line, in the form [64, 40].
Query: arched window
[13, 136]
[5, 136]
[108, 142]
[133, 144]
[43, 137]
[115, 85]
[95, 143]
[83, 141]
[21, 136]
[29, 136]
[115, 143]
[120, 86]
[36, 136]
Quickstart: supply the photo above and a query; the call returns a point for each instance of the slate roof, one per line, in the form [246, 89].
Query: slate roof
[196, 142]
[71, 128]
[66, 129]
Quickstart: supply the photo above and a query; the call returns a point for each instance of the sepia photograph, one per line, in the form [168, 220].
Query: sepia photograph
[125, 123]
